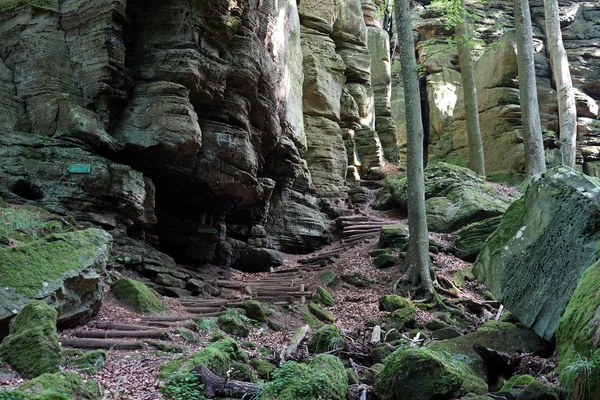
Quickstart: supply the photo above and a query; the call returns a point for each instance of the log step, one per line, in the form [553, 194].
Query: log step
[119, 327]
[146, 334]
[107, 344]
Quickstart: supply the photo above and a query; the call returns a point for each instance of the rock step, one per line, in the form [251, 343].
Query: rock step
[145, 334]
[107, 344]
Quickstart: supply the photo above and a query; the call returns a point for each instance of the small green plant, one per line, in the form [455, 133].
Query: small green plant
[298, 381]
[206, 325]
[581, 376]
[183, 386]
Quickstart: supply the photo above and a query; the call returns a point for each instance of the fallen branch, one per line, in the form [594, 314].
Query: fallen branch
[221, 387]
[296, 340]
[147, 334]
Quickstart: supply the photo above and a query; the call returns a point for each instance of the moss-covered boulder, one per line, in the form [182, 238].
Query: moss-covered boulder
[419, 374]
[392, 302]
[328, 278]
[32, 347]
[324, 378]
[67, 384]
[218, 357]
[137, 295]
[469, 240]
[263, 368]
[455, 196]
[578, 332]
[254, 310]
[385, 261]
[499, 336]
[537, 391]
[234, 322]
[88, 361]
[324, 297]
[327, 338]
[393, 237]
[62, 269]
[516, 381]
[534, 261]
[321, 313]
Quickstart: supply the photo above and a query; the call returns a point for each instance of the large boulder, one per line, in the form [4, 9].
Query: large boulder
[62, 269]
[455, 196]
[32, 346]
[546, 241]
[469, 240]
[137, 295]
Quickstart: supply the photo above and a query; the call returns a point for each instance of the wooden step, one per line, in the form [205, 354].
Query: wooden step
[107, 344]
[147, 334]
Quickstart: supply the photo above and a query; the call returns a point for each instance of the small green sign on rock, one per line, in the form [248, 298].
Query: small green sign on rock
[79, 168]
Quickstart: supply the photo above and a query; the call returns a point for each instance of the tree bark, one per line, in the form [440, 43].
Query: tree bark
[567, 112]
[418, 248]
[221, 387]
[476, 158]
[532, 130]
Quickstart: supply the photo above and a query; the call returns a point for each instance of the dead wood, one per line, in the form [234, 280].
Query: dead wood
[120, 327]
[296, 340]
[146, 334]
[108, 344]
[222, 387]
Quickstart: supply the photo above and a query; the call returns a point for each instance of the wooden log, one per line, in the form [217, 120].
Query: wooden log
[145, 334]
[204, 303]
[259, 289]
[296, 340]
[108, 344]
[285, 271]
[221, 387]
[205, 314]
[230, 284]
[371, 223]
[169, 318]
[350, 232]
[197, 310]
[120, 327]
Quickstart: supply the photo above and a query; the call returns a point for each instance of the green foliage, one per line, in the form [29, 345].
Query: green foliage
[24, 224]
[90, 361]
[62, 385]
[188, 335]
[327, 338]
[183, 386]
[517, 380]
[580, 378]
[206, 324]
[235, 322]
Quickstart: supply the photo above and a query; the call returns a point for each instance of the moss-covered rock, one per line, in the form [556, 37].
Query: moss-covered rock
[392, 302]
[263, 368]
[462, 276]
[419, 374]
[469, 240]
[328, 278]
[321, 313]
[327, 338]
[62, 269]
[254, 310]
[324, 297]
[404, 318]
[32, 347]
[537, 391]
[385, 261]
[517, 380]
[579, 329]
[64, 383]
[533, 262]
[500, 336]
[325, 378]
[234, 322]
[380, 353]
[137, 295]
[393, 237]
[88, 361]
[218, 357]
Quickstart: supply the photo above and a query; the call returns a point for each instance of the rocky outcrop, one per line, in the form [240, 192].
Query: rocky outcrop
[535, 259]
[62, 269]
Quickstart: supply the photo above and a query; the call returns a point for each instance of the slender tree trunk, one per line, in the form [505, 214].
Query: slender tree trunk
[417, 220]
[567, 112]
[476, 159]
[532, 130]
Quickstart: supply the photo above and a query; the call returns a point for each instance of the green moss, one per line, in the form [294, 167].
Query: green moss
[166, 347]
[517, 380]
[324, 378]
[385, 261]
[392, 303]
[188, 336]
[394, 237]
[3, 203]
[32, 346]
[321, 313]
[462, 276]
[381, 352]
[206, 324]
[64, 383]
[137, 295]
[579, 331]
[24, 224]
[328, 278]
[324, 297]
[263, 368]
[90, 361]
[26, 268]
[51, 5]
[537, 391]
[327, 338]
[234, 322]
[254, 310]
[419, 374]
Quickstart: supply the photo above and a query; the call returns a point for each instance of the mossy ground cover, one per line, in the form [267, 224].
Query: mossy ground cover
[137, 295]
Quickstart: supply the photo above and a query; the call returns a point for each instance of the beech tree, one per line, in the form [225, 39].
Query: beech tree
[567, 112]
[535, 160]
[418, 249]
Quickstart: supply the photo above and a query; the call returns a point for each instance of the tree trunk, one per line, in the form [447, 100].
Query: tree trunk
[476, 159]
[418, 248]
[532, 130]
[567, 112]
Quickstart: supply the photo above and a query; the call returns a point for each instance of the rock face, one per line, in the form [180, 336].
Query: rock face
[536, 258]
[62, 269]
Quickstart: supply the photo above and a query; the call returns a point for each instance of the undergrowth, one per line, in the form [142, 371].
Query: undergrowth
[582, 376]
[183, 386]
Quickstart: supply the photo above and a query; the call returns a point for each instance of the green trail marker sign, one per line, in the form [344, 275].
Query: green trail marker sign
[79, 168]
